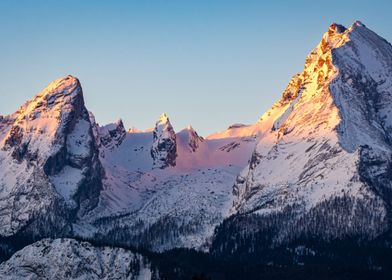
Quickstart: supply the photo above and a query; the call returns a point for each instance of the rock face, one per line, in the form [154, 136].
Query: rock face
[194, 139]
[71, 259]
[49, 166]
[112, 135]
[322, 166]
[164, 149]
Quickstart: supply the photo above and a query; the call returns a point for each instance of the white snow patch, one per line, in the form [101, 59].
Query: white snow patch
[67, 182]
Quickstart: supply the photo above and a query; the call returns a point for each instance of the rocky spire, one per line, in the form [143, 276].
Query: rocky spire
[164, 148]
[193, 139]
[112, 135]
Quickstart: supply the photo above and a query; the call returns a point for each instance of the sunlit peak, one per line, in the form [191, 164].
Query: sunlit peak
[163, 118]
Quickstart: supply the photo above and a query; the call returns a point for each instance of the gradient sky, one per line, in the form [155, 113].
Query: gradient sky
[205, 63]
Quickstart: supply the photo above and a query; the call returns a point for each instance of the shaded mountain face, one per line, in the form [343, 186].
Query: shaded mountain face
[49, 166]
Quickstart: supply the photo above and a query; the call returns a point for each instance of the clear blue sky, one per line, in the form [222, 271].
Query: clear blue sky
[208, 63]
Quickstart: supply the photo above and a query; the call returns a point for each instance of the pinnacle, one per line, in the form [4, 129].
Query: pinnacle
[163, 118]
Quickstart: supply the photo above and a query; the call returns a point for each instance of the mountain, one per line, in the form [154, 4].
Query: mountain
[321, 168]
[305, 189]
[49, 166]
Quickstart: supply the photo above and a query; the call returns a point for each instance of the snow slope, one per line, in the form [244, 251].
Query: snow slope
[49, 166]
[332, 120]
[190, 197]
[71, 259]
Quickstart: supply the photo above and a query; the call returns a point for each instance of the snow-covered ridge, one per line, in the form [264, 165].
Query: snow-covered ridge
[49, 164]
[71, 259]
[48, 115]
[316, 139]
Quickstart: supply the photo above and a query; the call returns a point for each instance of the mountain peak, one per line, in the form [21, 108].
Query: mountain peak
[358, 23]
[120, 124]
[189, 127]
[64, 85]
[48, 115]
[341, 51]
[337, 35]
[164, 149]
[58, 96]
[337, 113]
[50, 135]
[193, 139]
[112, 135]
[163, 118]
[336, 27]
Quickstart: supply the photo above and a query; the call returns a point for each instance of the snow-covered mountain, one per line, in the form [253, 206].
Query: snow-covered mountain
[316, 166]
[64, 175]
[49, 163]
[324, 156]
[71, 259]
